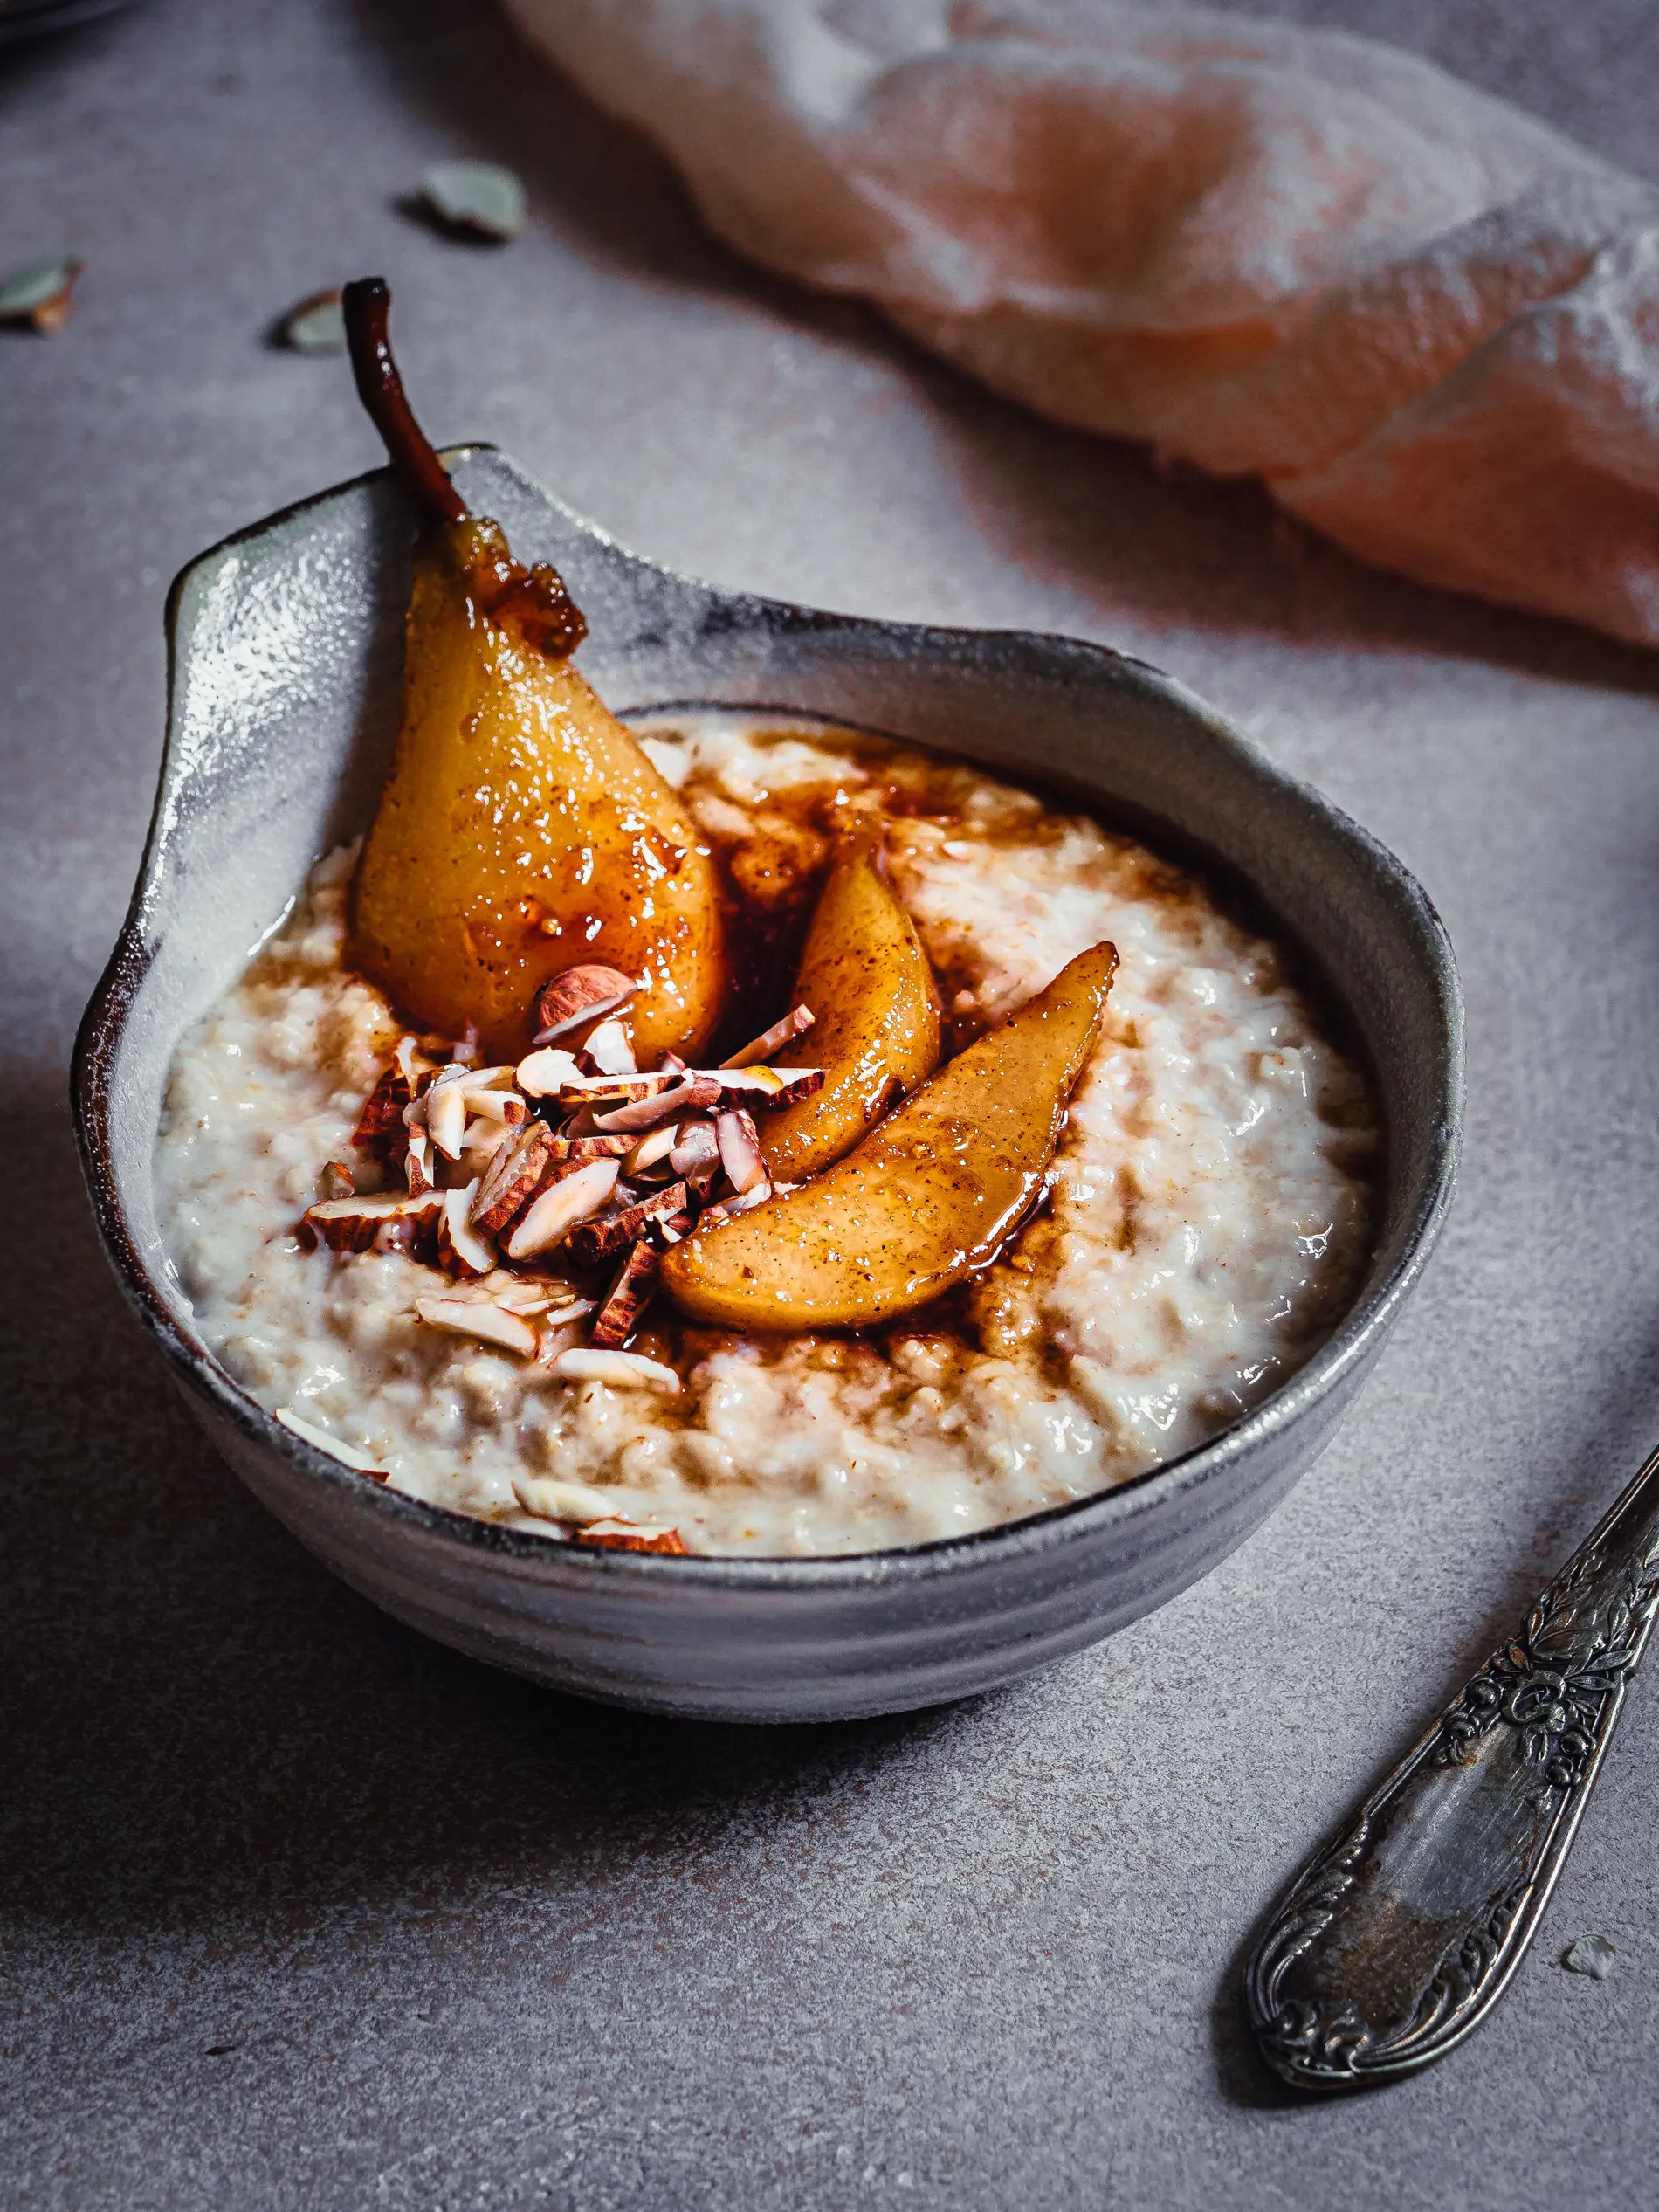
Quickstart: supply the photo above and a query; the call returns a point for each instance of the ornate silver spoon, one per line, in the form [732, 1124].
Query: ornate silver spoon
[1399, 1937]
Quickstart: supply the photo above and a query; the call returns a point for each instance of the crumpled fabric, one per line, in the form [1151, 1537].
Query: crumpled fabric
[1428, 321]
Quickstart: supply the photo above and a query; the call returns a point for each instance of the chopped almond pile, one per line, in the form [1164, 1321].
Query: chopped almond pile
[576, 1159]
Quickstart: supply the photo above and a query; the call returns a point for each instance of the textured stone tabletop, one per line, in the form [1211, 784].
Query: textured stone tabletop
[300, 1910]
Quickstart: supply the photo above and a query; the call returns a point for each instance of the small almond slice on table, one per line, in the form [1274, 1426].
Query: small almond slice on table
[481, 1318]
[555, 1211]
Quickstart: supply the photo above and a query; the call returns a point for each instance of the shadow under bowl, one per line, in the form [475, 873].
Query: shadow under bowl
[285, 656]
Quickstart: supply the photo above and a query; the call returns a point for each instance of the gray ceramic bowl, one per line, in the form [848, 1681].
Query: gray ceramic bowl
[287, 646]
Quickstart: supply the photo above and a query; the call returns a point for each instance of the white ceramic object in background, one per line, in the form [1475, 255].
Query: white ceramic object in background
[286, 656]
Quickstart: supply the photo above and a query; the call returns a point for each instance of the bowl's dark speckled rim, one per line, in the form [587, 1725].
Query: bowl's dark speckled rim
[282, 691]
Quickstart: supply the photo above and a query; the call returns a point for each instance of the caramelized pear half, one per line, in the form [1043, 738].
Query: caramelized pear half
[875, 1008]
[522, 830]
[924, 1200]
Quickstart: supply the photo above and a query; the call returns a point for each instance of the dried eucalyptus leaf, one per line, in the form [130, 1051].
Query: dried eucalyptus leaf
[315, 326]
[479, 198]
[42, 294]
[1591, 1954]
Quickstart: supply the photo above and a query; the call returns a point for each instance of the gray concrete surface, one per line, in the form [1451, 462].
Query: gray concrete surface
[301, 1911]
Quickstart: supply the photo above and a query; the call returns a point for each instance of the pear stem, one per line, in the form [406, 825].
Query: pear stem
[366, 305]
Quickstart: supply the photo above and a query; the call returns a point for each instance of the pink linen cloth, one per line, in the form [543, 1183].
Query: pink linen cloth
[1426, 320]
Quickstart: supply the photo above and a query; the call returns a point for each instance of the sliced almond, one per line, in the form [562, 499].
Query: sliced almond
[409, 1060]
[555, 1211]
[549, 1499]
[512, 1178]
[609, 1051]
[695, 1147]
[336, 1180]
[380, 1122]
[581, 1364]
[359, 1224]
[651, 1150]
[668, 1229]
[689, 1094]
[446, 1116]
[591, 1241]
[671, 1063]
[482, 1141]
[768, 1088]
[464, 1051]
[504, 1107]
[773, 1040]
[461, 1249]
[336, 1447]
[417, 1161]
[745, 1199]
[631, 1536]
[481, 1318]
[740, 1144]
[622, 1307]
[592, 1148]
[600, 1091]
[582, 993]
[544, 1074]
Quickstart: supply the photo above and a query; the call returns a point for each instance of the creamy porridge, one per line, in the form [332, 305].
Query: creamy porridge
[1206, 1216]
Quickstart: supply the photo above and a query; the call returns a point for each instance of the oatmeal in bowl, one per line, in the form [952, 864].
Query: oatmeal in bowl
[1200, 1224]
[722, 1210]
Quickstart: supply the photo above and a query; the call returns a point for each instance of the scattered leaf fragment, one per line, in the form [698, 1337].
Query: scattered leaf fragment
[314, 325]
[1591, 1954]
[477, 199]
[41, 295]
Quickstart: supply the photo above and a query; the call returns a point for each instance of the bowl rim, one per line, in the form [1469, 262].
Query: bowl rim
[1347, 1347]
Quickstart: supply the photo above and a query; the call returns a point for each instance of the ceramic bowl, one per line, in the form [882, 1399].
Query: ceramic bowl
[286, 654]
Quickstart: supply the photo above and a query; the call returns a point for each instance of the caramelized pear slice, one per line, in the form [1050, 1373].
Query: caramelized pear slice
[523, 830]
[926, 1198]
[875, 1008]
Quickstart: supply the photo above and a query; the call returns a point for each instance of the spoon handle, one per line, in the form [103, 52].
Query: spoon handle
[1399, 1936]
